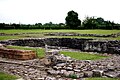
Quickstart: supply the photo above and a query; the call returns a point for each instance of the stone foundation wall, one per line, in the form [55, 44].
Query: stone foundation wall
[108, 46]
[77, 34]
[17, 54]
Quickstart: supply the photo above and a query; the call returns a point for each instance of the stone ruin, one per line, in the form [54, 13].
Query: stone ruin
[87, 45]
[78, 34]
[65, 66]
[17, 54]
[90, 45]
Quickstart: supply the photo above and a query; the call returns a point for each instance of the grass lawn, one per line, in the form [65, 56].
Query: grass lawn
[102, 78]
[40, 52]
[76, 55]
[37, 33]
[100, 38]
[4, 76]
[39, 36]
[82, 55]
[76, 31]
[10, 37]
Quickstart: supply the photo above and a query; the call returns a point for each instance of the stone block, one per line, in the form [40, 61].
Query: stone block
[112, 74]
[69, 68]
[77, 70]
[97, 73]
[17, 54]
[53, 72]
[80, 75]
[88, 73]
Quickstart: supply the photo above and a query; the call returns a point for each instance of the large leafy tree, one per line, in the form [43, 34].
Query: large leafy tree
[90, 23]
[72, 20]
[96, 23]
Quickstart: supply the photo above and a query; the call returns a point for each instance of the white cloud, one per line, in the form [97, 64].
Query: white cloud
[33, 11]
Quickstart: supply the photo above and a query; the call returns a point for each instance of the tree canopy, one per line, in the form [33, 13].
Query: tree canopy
[98, 23]
[72, 20]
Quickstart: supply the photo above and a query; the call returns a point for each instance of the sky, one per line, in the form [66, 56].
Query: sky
[44, 11]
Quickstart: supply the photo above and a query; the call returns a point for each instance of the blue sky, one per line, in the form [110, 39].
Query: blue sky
[43, 11]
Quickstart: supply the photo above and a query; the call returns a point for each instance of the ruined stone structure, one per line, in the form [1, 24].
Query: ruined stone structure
[62, 67]
[78, 34]
[17, 54]
[107, 46]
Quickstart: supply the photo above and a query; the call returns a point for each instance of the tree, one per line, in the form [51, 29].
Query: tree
[2, 25]
[109, 25]
[72, 20]
[90, 23]
[95, 23]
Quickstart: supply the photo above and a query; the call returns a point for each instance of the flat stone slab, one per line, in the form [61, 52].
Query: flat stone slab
[112, 74]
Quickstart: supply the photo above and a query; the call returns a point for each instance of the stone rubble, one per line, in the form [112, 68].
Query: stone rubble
[109, 67]
[61, 67]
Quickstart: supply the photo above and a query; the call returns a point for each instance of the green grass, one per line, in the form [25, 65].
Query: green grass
[41, 36]
[38, 33]
[100, 38]
[76, 55]
[102, 79]
[76, 31]
[4, 76]
[10, 37]
[40, 52]
[83, 55]
[21, 36]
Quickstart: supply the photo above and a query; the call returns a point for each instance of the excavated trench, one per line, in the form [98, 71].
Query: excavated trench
[90, 45]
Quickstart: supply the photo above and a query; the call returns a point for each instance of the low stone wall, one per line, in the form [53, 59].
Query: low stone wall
[17, 54]
[77, 34]
[103, 46]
